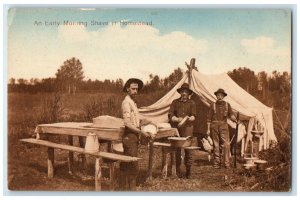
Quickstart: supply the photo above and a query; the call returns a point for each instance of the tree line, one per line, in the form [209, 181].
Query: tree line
[271, 89]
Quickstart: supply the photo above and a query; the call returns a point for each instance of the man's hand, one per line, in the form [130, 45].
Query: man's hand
[191, 118]
[208, 129]
[177, 119]
[180, 119]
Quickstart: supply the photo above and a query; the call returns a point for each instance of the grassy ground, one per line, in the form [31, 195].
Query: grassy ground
[27, 164]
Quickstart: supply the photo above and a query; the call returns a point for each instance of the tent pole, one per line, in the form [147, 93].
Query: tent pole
[190, 67]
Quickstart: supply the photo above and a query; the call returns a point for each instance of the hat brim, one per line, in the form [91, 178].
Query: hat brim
[225, 94]
[133, 80]
[180, 89]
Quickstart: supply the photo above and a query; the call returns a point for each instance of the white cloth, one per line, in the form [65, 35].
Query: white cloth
[130, 112]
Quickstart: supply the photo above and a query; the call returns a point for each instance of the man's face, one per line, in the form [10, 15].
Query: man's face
[132, 90]
[184, 94]
[220, 96]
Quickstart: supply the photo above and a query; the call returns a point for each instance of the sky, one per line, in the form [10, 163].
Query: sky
[127, 43]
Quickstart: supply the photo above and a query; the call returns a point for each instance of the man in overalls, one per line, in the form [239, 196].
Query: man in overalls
[217, 127]
[180, 108]
[132, 133]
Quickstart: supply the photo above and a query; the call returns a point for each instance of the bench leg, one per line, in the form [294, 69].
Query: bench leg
[164, 163]
[109, 146]
[173, 163]
[71, 155]
[112, 167]
[151, 150]
[50, 162]
[83, 158]
[98, 174]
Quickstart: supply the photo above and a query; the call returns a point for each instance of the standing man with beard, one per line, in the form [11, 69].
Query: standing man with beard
[181, 108]
[132, 133]
[217, 127]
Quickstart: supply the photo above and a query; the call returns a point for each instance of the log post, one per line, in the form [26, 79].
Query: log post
[50, 162]
[71, 155]
[98, 174]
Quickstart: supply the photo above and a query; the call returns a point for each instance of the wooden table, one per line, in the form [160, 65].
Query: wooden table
[168, 149]
[81, 129]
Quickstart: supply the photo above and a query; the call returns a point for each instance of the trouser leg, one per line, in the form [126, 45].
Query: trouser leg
[216, 143]
[188, 159]
[130, 146]
[123, 181]
[225, 143]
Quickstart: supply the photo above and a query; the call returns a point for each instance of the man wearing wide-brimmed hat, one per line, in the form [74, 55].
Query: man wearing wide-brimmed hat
[181, 109]
[132, 133]
[217, 127]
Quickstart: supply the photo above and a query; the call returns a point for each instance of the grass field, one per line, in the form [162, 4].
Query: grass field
[27, 165]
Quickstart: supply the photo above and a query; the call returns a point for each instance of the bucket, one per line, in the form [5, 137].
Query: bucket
[261, 164]
[91, 143]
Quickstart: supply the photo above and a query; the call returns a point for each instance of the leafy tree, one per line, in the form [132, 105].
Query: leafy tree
[69, 75]
[173, 78]
[12, 81]
[245, 78]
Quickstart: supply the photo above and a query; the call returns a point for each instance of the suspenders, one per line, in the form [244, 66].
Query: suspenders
[226, 109]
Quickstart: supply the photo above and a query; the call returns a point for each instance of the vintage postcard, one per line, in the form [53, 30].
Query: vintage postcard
[149, 99]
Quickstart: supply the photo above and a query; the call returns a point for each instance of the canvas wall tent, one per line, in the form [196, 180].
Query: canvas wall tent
[204, 86]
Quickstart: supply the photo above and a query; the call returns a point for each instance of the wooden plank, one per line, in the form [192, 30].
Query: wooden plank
[169, 132]
[111, 156]
[162, 144]
[50, 162]
[105, 134]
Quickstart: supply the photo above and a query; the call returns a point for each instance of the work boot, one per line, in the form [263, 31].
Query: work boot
[188, 172]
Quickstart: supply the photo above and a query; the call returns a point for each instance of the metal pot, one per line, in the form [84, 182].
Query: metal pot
[180, 141]
[91, 143]
[261, 164]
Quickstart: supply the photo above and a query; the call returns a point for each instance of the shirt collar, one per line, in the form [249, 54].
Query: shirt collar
[129, 98]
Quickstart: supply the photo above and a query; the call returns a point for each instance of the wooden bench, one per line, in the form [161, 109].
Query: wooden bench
[100, 156]
[168, 149]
